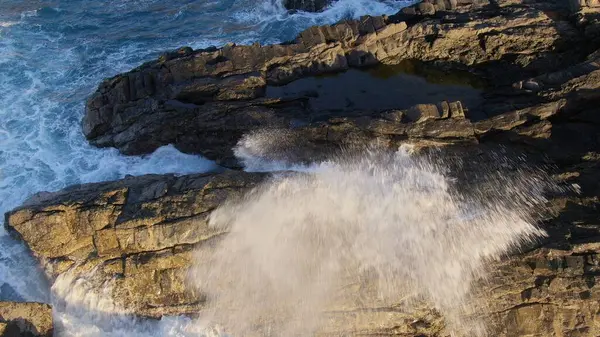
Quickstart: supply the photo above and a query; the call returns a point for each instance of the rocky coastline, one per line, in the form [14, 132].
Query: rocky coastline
[539, 62]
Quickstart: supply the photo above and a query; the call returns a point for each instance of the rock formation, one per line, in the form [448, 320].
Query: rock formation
[542, 67]
[206, 99]
[25, 319]
[138, 235]
[139, 232]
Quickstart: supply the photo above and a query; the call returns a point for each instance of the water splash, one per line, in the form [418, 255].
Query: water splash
[84, 308]
[267, 150]
[277, 24]
[395, 221]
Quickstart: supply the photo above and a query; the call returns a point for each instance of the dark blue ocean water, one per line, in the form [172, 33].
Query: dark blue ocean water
[53, 54]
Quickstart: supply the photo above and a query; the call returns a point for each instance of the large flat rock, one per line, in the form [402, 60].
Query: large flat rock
[139, 235]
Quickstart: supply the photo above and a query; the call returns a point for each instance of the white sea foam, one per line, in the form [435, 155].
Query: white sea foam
[269, 13]
[6, 24]
[43, 86]
[269, 10]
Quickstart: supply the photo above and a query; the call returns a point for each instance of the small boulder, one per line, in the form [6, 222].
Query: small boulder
[426, 8]
[422, 112]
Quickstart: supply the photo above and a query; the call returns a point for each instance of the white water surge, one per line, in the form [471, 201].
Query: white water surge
[388, 219]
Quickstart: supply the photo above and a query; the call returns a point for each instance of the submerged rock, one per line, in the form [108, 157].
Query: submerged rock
[306, 5]
[25, 319]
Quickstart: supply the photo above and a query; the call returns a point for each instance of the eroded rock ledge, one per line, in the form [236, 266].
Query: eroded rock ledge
[138, 235]
[202, 101]
[139, 232]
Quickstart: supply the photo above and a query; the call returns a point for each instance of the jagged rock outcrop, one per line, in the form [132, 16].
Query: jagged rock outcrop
[203, 101]
[138, 232]
[25, 320]
[138, 235]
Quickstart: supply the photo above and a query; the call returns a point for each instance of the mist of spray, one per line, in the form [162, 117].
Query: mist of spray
[384, 220]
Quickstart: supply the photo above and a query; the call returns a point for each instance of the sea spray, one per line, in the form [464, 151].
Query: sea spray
[84, 306]
[381, 220]
[267, 150]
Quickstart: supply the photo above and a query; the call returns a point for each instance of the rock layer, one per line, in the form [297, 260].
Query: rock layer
[138, 233]
[203, 101]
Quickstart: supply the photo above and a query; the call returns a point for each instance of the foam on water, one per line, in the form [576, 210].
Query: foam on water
[270, 14]
[52, 56]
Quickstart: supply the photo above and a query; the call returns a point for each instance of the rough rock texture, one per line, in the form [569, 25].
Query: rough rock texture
[138, 232]
[25, 319]
[203, 101]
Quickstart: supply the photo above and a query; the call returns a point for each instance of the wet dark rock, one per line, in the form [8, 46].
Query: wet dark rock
[307, 5]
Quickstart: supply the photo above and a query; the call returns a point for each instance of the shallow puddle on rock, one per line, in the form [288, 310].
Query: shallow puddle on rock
[383, 87]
